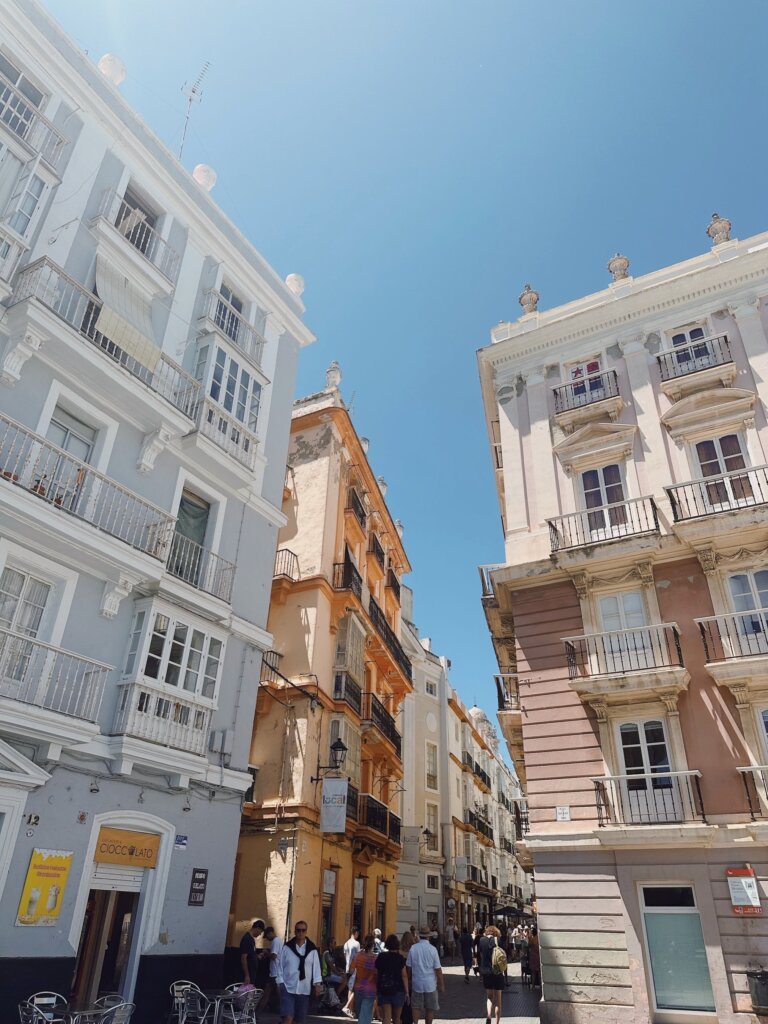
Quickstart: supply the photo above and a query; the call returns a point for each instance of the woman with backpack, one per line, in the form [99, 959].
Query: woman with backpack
[492, 961]
[391, 981]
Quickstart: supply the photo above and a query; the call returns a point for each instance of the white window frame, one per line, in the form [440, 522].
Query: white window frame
[640, 722]
[186, 481]
[232, 354]
[82, 408]
[566, 369]
[427, 745]
[430, 687]
[433, 843]
[429, 875]
[61, 579]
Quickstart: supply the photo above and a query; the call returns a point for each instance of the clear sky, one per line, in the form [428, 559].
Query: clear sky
[417, 161]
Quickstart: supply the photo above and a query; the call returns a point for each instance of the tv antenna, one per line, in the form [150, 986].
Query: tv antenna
[194, 94]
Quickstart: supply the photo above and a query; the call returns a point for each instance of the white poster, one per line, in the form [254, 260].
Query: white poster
[333, 810]
[460, 868]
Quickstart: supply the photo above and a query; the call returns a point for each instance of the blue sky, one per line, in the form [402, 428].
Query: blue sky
[417, 161]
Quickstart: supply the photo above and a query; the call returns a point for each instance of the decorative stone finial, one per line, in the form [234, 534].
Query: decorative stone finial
[365, 445]
[400, 528]
[333, 375]
[618, 267]
[382, 485]
[205, 176]
[112, 67]
[529, 299]
[719, 229]
[295, 283]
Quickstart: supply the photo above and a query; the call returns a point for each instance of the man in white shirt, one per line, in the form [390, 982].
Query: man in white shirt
[275, 945]
[351, 949]
[426, 977]
[298, 971]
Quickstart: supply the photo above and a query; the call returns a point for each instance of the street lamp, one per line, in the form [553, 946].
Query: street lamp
[338, 757]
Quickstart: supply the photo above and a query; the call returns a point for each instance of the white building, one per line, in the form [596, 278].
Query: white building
[462, 807]
[147, 356]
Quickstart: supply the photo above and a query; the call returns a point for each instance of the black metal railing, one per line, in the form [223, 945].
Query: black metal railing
[482, 775]
[586, 390]
[606, 522]
[486, 584]
[345, 688]
[394, 827]
[755, 779]
[286, 564]
[698, 355]
[393, 583]
[355, 505]
[478, 823]
[736, 635]
[649, 798]
[375, 712]
[467, 759]
[522, 825]
[391, 642]
[377, 551]
[346, 577]
[624, 650]
[373, 813]
[506, 844]
[270, 671]
[507, 693]
[353, 799]
[743, 488]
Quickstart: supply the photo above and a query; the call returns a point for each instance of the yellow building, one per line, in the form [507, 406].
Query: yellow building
[337, 671]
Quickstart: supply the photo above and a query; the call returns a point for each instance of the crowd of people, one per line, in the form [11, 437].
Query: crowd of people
[520, 945]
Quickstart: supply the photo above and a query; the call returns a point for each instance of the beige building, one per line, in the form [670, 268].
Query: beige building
[337, 672]
[629, 438]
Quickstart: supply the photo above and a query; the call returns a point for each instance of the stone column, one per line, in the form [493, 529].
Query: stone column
[543, 489]
[507, 404]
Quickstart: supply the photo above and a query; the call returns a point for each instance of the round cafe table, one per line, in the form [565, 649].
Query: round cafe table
[219, 996]
[84, 1014]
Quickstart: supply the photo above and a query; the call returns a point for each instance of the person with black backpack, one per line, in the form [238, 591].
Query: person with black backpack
[493, 967]
[391, 981]
[298, 972]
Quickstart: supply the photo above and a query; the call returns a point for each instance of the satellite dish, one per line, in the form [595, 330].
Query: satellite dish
[112, 67]
[295, 283]
[205, 176]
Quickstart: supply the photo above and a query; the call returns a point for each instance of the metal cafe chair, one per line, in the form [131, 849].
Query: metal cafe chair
[197, 1008]
[177, 990]
[52, 1005]
[117, 1014]
[29, 1014]
[109, 999]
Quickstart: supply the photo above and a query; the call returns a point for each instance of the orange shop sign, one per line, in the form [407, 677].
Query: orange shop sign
[121, 846]
[745, 896]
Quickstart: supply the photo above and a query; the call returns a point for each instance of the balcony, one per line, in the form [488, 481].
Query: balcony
[375, 712]
[373, 814]
[270, 673]
[522, 825]
[604, 523]
[395, 827]
[736, 646]
[49, 677]
[700, 364]
[586, 398]
[201, 568]
[31, 463]
[353, 800]
[393, 584]
[346, 689]
[227, 433]
[355, 512]
[467, 760]
[733, 494]
[286, 564]
[46, 283]
[375, 549]
[10, 252]
[755, 779]
[478, 823]
[130, 224]
[651, 798]
[220, 316]
[152, 713]
[391, 642]
[507, 692]
[481, 775]
[486, 584]
[643, 660]
[506, 844]
[346, 577]
[28, 124]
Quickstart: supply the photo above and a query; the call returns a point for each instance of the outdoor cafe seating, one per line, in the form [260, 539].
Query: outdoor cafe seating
[53, 1008]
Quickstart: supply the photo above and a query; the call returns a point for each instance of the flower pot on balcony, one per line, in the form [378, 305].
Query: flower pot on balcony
[10, 475]
[39, 487]
[758, 990]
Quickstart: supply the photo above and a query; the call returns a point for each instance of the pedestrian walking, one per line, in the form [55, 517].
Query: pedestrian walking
[298, 973]
[351, 949]
[364, 966]
[517, 941]
[378, 944]
[273, 951]
[392, 988]
[465, 945]
[406, 942]
[489, 961]
[534, 957]
[250, 952]
[426, 978]
[475, 939]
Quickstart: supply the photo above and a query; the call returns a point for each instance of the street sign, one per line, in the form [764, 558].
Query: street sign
[197, 887]
[745, 896]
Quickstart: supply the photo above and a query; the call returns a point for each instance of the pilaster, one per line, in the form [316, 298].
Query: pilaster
[652, 471]
[507, 404]
[746, 313]
[544, 483]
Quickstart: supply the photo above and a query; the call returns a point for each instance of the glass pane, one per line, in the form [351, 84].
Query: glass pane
[678, 961]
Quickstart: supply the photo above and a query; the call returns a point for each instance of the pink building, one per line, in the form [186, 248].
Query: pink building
[630, 621]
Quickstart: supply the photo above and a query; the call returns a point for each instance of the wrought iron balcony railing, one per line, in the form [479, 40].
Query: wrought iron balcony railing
[227, 432]
[578, 393]
[286, 564]
[355, 505]
[49, 677]
[649, 798]
[132, 224]
[353, 800]
[374, 711]
[624, 650]
[467, 759]
[698, 355]
[522, 825]
[345, 688]
[743, 488]
[482, 775]
[391, 642]
[485, 580]
[29, 125]
[222, 316]
[373, 814]
[394, 827]
[507, 692]
[33, 464]
[346, 577]
[755, 779]
[200, 567]
[736, 635]
[374, 546]
[75, 305]
[605, 522]
[151, 713]
[393, 583]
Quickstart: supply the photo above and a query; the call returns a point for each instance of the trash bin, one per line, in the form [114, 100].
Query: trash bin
[758, 990]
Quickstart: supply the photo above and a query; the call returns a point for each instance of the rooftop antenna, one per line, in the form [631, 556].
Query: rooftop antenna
[194, 94]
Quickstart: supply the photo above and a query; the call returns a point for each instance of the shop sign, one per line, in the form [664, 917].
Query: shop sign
[329, 882]
[180, 842]
[333, 807]
[197, 887]
[403, 897]
[460, 868]
[382, 893]
[43, 892]
[359, 888]
[745, 897]
[122, 846]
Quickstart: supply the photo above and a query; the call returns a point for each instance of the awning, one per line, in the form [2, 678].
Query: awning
[125, 316]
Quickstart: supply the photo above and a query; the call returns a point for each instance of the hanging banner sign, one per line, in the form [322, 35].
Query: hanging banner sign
[333, 808]
[41, 897]
[745, 896]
